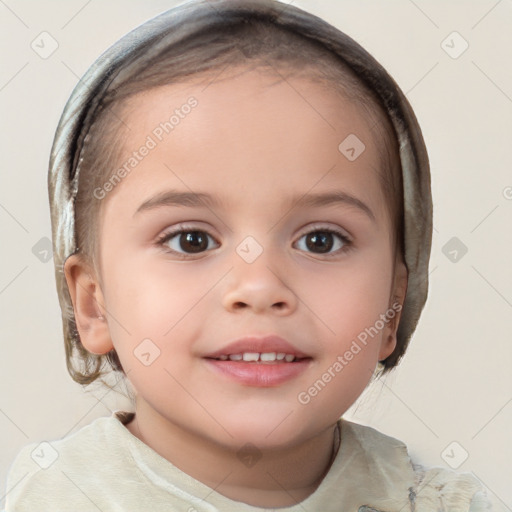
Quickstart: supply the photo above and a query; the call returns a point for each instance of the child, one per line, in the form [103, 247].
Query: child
[242, 221]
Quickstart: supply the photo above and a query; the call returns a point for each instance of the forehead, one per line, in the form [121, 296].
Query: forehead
[232, 94]
[249, 133]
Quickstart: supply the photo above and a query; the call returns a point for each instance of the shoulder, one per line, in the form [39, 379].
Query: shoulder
[42, 470]
[448, 490]
[425, 489]
[373, 443]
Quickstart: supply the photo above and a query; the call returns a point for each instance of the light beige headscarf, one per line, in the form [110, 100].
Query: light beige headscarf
[167, 31]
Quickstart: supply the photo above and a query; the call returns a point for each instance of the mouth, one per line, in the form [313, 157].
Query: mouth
[257, 357]
[259, 349]
[259, 362]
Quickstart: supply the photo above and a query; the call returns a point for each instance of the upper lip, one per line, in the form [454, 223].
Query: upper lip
[258, 344]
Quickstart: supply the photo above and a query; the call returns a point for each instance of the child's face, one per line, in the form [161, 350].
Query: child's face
[258, 148]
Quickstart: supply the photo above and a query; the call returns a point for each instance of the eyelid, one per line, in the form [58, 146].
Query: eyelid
[319, 226]
[187, 226]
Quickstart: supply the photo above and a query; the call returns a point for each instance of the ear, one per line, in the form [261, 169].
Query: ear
[88, 305]
[397, 298]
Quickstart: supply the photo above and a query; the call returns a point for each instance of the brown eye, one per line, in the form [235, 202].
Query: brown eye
[319, 241]
[323, 242]
[189, 242]
[194, 241]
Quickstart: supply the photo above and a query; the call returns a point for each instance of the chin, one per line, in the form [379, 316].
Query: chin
[269, 431]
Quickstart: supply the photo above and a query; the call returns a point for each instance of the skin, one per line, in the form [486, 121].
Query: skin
[253, 143]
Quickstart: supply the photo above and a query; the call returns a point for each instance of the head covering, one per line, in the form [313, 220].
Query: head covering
[176, 27]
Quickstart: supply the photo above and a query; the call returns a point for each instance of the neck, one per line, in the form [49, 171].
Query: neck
[262, 478]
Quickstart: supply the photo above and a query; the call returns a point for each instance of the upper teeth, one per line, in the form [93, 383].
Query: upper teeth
[256, 356]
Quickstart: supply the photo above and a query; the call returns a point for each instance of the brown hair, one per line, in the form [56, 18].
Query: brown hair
[251, 41]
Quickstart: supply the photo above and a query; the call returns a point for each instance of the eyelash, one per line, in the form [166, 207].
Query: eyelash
[166, 237]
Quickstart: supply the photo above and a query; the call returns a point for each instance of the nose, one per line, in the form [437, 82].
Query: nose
[260, 288]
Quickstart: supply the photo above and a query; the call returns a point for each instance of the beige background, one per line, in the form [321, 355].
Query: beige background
[455, 382]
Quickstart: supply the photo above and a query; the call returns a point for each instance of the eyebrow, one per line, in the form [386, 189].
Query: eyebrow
[199, 199]
[175, 198]
[333, 198]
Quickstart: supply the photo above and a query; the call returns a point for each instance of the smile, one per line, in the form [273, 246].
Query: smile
[265, 357]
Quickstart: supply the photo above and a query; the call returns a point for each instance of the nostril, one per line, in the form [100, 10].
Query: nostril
[276, 306]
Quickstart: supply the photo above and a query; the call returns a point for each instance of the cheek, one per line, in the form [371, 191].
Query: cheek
[349, 298]
[349, 308]
[154, 300]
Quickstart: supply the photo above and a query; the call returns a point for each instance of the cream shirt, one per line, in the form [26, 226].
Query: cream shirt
[104, 467]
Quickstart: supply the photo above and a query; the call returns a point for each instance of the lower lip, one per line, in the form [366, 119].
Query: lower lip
[259, 374]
